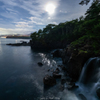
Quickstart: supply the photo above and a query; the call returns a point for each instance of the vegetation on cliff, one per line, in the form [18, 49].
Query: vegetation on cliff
[80, 32]
[91, 28]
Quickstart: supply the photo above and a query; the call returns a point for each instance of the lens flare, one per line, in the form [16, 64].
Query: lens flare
[50, 8]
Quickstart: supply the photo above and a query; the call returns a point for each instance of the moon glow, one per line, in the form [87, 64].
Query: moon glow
[50, 8]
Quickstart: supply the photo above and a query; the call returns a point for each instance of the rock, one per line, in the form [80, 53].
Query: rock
[19, 44]
[71, 85]
[66, 54]
[57, 71]
[68, 79]
[74, 61]
[62, 67]
[74, 58]
[63, 81]
[49, 80]
[57, 53]
[55, 75]
[40, 64]
[62, 87]
[98, 92]
[48, 70]
[82, 97]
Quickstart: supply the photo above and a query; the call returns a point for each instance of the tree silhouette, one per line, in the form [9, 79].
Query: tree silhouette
[87, 1]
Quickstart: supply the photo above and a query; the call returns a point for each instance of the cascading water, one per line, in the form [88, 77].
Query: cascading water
[89, 79]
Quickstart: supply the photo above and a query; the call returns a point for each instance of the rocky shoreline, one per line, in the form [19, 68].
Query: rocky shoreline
[73, 62]
[19, 44]
[73, 59]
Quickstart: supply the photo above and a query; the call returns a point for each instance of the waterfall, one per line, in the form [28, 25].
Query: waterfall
[89, 79]
[90, 72]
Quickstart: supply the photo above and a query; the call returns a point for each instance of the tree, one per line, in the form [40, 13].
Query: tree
[33, 36]
[48, 28]
[87, 1]
[93, 11]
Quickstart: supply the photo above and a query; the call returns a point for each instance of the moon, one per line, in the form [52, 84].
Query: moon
[50, 8]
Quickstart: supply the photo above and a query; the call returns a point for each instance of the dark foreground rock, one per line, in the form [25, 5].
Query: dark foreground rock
[19, 44]
[49, 80]
[40, 64]
[57, 53]
[98, 92]
[55, 75]
[62, 67]
[50, 45]
[82, 97]
[57, 71]
[71, 85]
[73, 59]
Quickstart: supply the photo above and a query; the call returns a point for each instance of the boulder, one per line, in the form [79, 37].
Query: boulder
[98, 92]
[63, 81]
[82, 97]
[19, 44]
[62, 87]
[74, 58]
[57, 53]
[49, 80]
[55, 75]
[40, 64]
[57, 71]
[71, 85]
[75, 64]
[62, 67]
[68, 79]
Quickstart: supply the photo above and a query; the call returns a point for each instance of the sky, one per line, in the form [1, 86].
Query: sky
[27, 16]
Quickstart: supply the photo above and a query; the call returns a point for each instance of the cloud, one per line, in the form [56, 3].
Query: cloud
[22, 24]
[15, 31]
[30, 15]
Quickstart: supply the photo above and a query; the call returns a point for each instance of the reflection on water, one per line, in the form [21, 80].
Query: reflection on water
[0, 48]
[22, 79]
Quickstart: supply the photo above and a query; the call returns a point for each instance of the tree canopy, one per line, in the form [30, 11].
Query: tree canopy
[86, 28]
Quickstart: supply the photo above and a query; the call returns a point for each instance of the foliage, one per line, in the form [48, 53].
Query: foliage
[87, 1]
[78, 32]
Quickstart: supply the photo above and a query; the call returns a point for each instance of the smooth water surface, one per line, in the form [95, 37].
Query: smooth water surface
[22, 79]
[20, 76]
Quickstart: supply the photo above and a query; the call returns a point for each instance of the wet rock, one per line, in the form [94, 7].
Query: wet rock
[74, 60]
[62, 87]
[98, 92]
[57, 71]
[57, 53]
[63, 81]
[71, 85]
[55, 75]
[19, 44]
[68, 79]
[40, 64]
[75, 63]
[66, 54]
[48, 70]
[49, 80]
[62, 67]
[82, 97]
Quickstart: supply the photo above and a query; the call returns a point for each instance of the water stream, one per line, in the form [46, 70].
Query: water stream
[89, 80]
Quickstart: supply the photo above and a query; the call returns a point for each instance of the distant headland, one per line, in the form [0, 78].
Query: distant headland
[16, 36]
